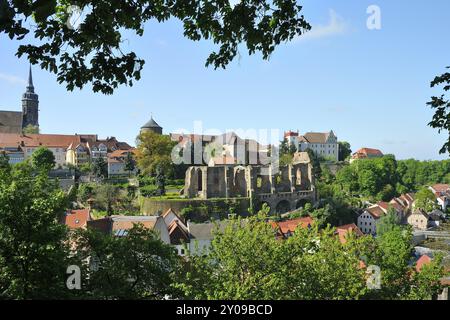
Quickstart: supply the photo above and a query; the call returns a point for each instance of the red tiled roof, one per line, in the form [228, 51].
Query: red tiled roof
[440, 187]
[367, 152]
[122, 153]
[424, 260]
[376, 211]
[383, 205]
[76, 219]
[289, 226]
[37, 140]
[290, 134]
[342, 231]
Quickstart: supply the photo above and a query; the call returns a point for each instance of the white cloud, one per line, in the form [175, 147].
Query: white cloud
[12, 79]
[335, 26]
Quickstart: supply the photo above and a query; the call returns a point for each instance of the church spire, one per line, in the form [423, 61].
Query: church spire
[30, 86]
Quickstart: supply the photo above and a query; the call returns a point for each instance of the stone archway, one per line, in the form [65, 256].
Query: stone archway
[283, 206]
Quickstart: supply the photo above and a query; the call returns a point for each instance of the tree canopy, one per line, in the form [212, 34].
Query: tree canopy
[344, 150]
[135, 266]
[425, 200]
[153, 152]
[441, 105]
[93, 52]
[246, 261]
[43, 159]
[33, 252]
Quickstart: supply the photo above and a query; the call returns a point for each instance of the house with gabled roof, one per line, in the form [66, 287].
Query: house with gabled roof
[442, 193]
[285, 229]
[419, 219]
[367, 221]
[77, 219]
[366, 153]
[119, 225]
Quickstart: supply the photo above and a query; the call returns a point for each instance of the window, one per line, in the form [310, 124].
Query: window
[259, 182]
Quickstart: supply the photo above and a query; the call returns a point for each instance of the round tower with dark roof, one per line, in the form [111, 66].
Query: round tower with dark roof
[151, 125]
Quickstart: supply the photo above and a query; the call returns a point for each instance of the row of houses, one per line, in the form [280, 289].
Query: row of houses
[197, 238]
[406, 212]
[194, 238]
[74, 150]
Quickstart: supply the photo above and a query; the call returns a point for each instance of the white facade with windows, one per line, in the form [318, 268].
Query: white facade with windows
[323, 144]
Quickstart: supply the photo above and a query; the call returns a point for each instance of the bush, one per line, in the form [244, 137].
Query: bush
[148, 190]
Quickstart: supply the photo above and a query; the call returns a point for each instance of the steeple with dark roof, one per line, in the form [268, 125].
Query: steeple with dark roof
[30, 104]
[151, 125]
[30, 86]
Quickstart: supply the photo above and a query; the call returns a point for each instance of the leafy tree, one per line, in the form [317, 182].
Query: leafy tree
[100, 168]
[43, 159]
[135, 266]
[441, 105]
[4, 161]
[388, 222]
[129, 163]
[107, 196]
[344, 150]
[33, 251]
[392, 254]
[255, 265]
[85, 191]
[154, 150]
[315, 161]
[30, 129]
[92, 53]
[425, 200]
[86, 168]
[427, 281]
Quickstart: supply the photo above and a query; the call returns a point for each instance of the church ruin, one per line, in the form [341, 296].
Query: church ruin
[287, 189]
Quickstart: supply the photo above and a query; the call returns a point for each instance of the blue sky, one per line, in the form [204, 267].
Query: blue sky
[369, 86]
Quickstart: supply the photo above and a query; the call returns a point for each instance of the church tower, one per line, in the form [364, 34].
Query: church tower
[30, 105]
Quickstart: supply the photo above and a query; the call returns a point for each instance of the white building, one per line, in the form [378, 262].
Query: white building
[442, 193]
[202, 234]
[367, 221]
[323, 144]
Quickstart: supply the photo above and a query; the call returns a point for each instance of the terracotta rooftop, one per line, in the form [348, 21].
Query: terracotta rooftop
[367, 152]
[37, 140]
[289, 226]
[376, 211]
[342, 231]
[76, 219]
[424, 260]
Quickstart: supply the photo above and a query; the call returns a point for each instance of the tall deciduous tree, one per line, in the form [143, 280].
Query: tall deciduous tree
[33, 252]
[344, 150]
[93, 52]
[100, 168]
[154, 150]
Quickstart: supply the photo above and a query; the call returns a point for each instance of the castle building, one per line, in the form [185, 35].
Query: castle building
[14, 121]
[323, 144]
